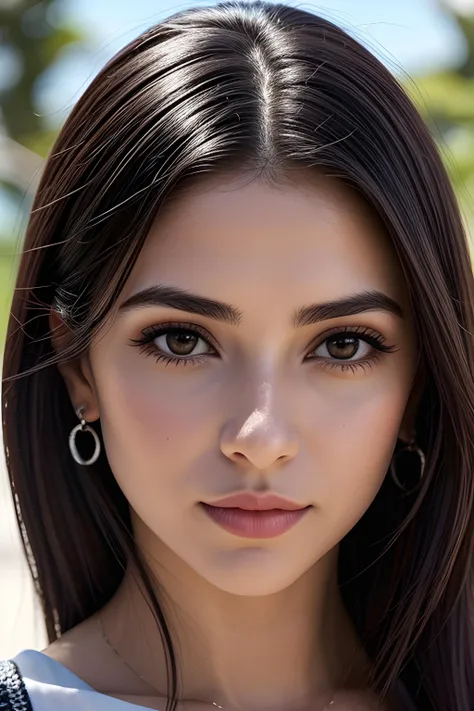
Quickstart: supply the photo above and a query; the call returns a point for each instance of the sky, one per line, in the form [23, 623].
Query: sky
[411, 36]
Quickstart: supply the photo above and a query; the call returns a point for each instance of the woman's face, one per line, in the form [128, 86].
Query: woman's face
[264, 344]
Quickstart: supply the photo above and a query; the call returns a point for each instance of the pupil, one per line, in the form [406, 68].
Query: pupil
[181, 342]
[343, 347]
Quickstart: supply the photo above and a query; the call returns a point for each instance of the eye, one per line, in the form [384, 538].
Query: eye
[343, 347]
[178, 343]
[350, 348]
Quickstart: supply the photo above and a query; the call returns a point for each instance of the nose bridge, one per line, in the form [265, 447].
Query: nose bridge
[262, 413]
[259, 431]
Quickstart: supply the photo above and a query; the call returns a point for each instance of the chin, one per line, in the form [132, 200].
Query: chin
[251, 572]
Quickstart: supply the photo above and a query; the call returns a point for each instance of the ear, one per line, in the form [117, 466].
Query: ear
[407, 427]
[77, 374]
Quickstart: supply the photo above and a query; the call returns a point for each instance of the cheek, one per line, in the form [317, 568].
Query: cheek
[154, 423]
[154, 402]
[353, 441]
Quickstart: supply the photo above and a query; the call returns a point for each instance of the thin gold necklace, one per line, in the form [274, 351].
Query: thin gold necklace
[124, 661]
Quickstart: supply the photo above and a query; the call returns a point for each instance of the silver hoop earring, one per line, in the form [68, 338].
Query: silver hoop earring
[83, 427]
[411, 447]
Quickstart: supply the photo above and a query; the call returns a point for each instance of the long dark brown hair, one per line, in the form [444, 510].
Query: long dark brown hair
[267, 89]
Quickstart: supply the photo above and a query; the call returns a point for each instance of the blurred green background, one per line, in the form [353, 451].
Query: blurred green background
[6, 273]
[50, 50]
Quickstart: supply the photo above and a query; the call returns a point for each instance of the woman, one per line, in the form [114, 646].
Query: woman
[238, 384]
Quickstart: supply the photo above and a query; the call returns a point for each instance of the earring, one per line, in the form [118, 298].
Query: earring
[410, 447]
[83, 427]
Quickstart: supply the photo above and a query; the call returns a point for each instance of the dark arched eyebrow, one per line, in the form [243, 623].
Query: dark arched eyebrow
[182, 300]
[347, 306]
[175, 298]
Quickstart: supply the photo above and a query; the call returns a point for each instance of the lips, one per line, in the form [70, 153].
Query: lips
[254, 502]
[251, 516]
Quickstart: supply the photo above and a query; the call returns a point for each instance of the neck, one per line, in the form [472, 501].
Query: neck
[264, 652]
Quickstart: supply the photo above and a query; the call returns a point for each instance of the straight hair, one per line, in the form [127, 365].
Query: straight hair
[273, 91]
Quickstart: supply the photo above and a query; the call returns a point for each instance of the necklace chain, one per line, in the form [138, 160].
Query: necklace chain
[124, 661]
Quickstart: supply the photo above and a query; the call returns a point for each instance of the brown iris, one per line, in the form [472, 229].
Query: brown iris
[181, 342]
[343, 347]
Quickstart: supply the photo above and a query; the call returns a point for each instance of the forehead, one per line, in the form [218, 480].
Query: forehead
[313, 238]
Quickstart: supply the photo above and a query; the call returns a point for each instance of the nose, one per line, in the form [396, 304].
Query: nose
[264, 437]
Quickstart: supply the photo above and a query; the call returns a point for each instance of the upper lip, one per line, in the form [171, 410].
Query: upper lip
[257, 502]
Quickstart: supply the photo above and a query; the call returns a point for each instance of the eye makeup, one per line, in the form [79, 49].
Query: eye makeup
[190, 344]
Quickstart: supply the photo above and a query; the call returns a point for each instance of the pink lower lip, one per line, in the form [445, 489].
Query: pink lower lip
[254, 524]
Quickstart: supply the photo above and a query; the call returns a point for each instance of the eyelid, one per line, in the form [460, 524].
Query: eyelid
[356, 330]
[158, 329]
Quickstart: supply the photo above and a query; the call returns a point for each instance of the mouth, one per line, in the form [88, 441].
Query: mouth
[256, 523]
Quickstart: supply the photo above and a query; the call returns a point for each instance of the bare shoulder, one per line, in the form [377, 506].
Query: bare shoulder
[58, 648]
[82, 651]
[66, 647]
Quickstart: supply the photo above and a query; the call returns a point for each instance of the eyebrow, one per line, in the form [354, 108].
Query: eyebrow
[182, 300]
[171, 296]
[347, 306]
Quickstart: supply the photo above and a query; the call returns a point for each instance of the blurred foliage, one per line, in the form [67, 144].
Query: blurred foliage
[8, 265]
[446, 101]
[35, 36]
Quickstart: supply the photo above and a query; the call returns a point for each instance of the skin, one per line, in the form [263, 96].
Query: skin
[260, 624]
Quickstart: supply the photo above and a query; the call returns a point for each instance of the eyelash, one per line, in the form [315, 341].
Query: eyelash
[146, 345]
[373, 338]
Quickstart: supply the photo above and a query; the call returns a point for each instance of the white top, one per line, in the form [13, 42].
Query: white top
[52, 687]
